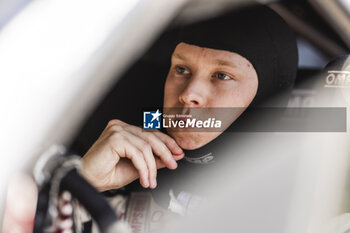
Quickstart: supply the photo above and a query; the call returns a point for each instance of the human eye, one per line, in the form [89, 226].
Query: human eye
[181, 70]
[222, 76]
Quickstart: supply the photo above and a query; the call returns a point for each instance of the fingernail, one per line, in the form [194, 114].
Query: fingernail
[174, 164]
[154, 183]
[146, 183]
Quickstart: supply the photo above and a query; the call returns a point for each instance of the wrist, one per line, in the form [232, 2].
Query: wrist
[86, 173]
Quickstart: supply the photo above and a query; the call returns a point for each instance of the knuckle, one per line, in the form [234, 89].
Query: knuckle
[171, 140]
[115, 122]
[115, 136]
[138, 154]
[151, 136]
[146, 148]
[116, 128]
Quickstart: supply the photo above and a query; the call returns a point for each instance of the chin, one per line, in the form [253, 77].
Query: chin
[189, 140]
[189, 145]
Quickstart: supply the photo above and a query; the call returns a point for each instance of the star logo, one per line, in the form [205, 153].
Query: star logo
[151, 119]
[156, 115]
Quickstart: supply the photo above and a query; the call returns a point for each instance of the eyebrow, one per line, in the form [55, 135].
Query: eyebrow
[177, 55]
[224, 63]
[219, 62]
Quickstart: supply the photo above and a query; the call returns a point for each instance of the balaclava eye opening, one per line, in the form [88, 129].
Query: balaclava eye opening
[256, 33]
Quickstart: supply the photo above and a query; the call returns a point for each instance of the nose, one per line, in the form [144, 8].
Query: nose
[193, 95]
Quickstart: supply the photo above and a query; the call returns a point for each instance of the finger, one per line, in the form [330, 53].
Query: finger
[117, 125]
[179, 157]
[136, 156]
[146, 149]
[158, 146]
[160, 164]
[170, 143]
[161, 150]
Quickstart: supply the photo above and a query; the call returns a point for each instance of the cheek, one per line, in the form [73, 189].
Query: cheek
[248, 88]
[252, 88]
[247, 95]
[240, 95]
[170, 92]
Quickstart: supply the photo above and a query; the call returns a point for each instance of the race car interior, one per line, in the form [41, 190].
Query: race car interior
[141, 86]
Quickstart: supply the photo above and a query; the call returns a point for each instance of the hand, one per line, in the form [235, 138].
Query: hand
[124, 153]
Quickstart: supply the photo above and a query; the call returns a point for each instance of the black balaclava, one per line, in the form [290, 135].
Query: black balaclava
[261, 36]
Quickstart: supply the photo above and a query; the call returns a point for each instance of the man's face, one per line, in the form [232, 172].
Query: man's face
[207, 78]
